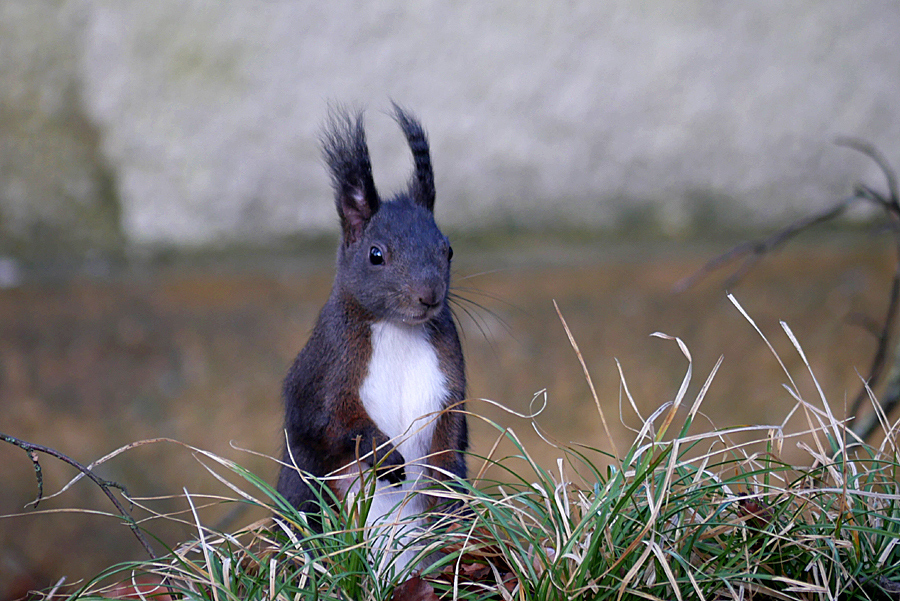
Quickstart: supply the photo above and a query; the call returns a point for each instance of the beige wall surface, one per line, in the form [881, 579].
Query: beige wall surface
[197, 119]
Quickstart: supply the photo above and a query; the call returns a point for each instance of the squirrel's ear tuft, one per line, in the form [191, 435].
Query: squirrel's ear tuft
[347, 156]
[422, 183]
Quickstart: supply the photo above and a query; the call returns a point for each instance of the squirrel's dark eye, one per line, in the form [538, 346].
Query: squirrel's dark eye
[449, 252]
[376, 257]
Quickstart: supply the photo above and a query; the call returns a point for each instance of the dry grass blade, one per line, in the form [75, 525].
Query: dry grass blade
[590, 381]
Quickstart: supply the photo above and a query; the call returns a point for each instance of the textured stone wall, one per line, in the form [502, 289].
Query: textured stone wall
[55, 186]
[588, 113]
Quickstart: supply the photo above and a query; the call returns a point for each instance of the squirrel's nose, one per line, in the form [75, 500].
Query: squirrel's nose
[428, 296]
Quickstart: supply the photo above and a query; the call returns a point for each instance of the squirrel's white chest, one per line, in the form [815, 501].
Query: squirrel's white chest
[404, 388]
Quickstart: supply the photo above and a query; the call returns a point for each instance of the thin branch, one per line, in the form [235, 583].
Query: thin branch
[881, 351]
[873, 153]
[105, 485]
[753, 252]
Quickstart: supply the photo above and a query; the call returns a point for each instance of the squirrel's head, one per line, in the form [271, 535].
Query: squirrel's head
[393, 260]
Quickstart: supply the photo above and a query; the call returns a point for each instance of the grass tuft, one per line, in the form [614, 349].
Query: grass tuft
[682, 513]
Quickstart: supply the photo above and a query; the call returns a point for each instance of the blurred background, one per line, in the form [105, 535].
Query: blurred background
[167, 228]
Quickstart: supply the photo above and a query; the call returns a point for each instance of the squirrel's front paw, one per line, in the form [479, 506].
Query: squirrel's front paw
[390, 466]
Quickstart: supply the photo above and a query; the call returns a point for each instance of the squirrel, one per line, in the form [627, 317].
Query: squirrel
[382, 378]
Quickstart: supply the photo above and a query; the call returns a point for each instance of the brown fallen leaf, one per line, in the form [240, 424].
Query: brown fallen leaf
[414, 589]
[758, 514]
[475, 571]
[481, 538]
[510, 581]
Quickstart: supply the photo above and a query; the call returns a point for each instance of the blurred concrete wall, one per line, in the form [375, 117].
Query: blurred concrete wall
[55, 186]
[195, 121]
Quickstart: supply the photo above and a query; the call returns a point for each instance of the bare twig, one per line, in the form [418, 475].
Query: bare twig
[881, 351]
[873, 153]
[105, 485]
[752, 252]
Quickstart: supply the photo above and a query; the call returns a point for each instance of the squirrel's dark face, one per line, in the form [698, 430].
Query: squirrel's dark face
[393, 260]
[399, 267]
